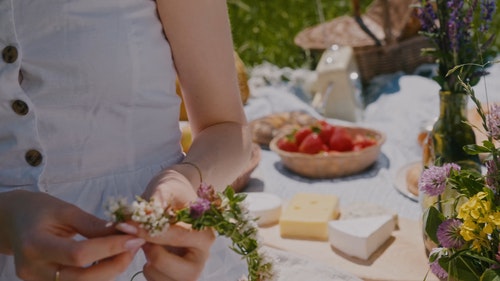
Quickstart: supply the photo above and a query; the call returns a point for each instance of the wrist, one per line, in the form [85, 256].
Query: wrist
[198, 170]
[190, 172]
[6, 227]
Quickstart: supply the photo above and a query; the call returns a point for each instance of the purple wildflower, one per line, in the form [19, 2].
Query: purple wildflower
[199, 207]
[448, 234]
[450, 166]
[493, 121]
[427, 17]
[433, 179]
[492, 177]
[206, 191]
[453, 35]
[488, 8]
[454, 24]
[469, 15]
[435, 266]
[497, 256]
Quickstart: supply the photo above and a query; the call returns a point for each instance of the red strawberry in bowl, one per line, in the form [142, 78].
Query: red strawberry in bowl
[312, 144]
[341, 140]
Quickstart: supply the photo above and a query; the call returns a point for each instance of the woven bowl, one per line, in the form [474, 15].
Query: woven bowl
[332, 164]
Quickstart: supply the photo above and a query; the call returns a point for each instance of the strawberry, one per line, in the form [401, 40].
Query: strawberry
[301, 134]
[341, 140]
[288, 143]
[361, 142]
[312, 144]
[325, 131]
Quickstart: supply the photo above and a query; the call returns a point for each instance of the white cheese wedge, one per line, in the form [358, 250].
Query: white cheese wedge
[306, 216]
[365, 209]
[265, 207]
[360, 237]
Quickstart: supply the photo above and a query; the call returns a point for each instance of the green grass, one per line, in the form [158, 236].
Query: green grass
[263, 30]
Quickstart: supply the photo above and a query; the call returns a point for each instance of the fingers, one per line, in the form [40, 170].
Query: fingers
[83, 253]
[42, 239]
[164, 265]
[178, 253]
[86, 224]
[77, 267]
[175, 235]
[106, 269]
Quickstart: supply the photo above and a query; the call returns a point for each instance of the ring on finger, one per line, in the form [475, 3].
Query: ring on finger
[57, 274]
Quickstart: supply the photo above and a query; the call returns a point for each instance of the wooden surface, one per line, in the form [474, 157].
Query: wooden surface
[401, 258]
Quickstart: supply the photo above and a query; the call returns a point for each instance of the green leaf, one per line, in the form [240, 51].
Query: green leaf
[229, 192]
[491, 275]
[432, 219]
[466, 182]
[474, 149]
[489, 145]
[458, 269]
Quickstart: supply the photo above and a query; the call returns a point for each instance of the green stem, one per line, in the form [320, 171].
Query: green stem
[470, 268]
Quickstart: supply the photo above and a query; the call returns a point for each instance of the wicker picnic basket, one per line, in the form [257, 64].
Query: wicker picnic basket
[385, 38]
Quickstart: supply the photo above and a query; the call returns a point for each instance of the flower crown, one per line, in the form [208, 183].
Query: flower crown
[225, 212]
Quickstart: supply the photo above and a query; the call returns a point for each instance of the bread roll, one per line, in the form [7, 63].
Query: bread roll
[266, 128]
[412, 178]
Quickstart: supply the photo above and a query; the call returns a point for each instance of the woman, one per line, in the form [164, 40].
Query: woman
[89, 111]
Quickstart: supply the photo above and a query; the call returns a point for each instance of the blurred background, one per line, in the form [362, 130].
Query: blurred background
[263, 30]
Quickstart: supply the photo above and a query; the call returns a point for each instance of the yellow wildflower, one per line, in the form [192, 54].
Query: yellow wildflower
[468, 230]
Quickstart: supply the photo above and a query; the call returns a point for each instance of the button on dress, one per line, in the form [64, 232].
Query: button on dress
[88, 108]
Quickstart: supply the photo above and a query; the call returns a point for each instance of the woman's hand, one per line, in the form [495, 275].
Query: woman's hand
[39, 230]
[179, 252]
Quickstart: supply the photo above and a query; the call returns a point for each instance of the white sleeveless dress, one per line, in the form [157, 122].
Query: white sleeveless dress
[88, 108]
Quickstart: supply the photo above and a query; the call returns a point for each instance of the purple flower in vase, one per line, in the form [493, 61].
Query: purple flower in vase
[469, 15]
[493, 121]
[492, 177]
[427, 17]
[434, 265]
[454, 24]
[450, 166]
[459, 31]
[199, 207]
[488, 8]
[433, 179]
[497, 257]
[448, 234]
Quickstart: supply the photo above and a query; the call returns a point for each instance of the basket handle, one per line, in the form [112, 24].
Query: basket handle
[356, 8]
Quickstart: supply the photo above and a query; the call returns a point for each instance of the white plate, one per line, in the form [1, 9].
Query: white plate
[400, 180]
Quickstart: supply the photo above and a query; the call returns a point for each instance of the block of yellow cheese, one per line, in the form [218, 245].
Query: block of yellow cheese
[306, 216]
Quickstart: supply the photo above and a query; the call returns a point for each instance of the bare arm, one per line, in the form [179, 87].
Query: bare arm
[200, 36]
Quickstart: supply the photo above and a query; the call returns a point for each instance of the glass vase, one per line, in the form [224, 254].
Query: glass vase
[450, 133]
